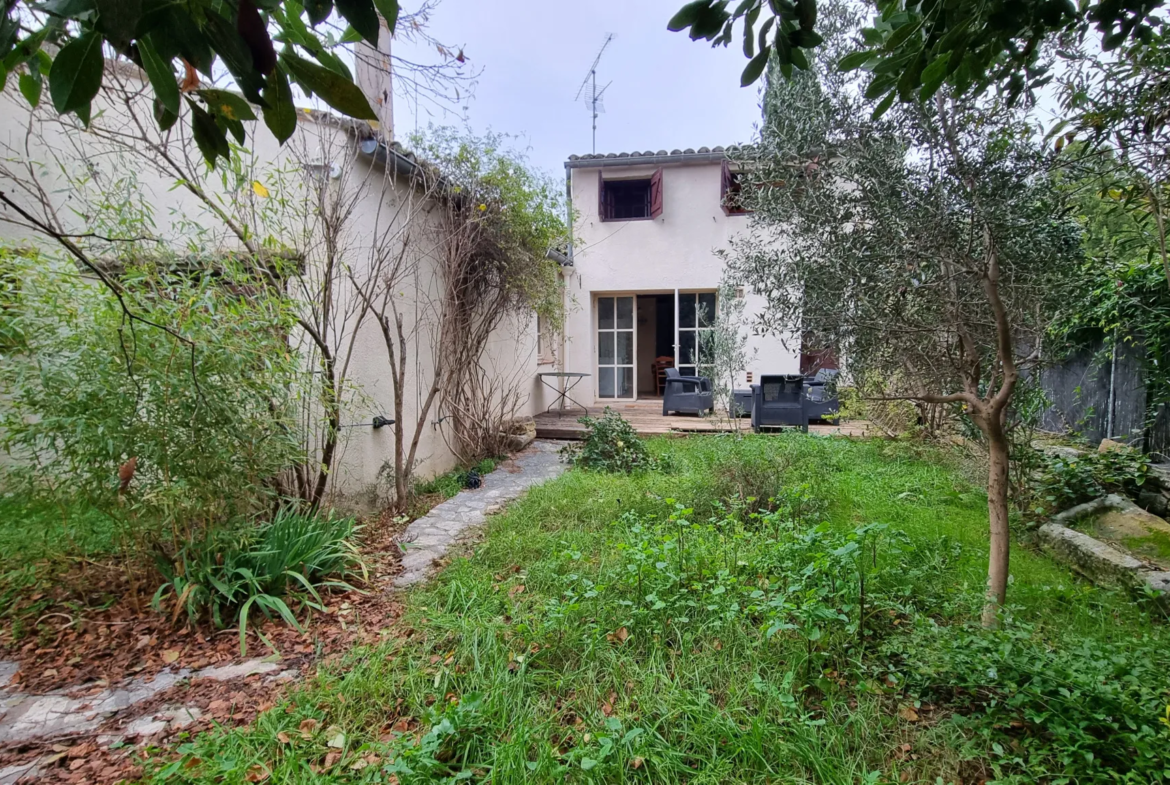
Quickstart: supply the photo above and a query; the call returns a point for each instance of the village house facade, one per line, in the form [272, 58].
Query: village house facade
[645, 274]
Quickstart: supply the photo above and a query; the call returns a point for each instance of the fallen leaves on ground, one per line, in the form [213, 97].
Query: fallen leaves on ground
[100, 647]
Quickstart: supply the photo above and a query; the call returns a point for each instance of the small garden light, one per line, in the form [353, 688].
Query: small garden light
[381, 421]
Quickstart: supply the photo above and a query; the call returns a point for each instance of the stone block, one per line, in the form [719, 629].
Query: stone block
[1153, 502]
[1100, 563]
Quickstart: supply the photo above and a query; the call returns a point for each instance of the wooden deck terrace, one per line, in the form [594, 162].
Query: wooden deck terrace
[646, 417]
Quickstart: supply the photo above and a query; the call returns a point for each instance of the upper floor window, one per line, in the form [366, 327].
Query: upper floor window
[731, 191]
[630, 200]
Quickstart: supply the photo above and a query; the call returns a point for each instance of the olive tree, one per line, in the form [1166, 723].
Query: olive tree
[723, 349]
[929, 248]
[914, 47]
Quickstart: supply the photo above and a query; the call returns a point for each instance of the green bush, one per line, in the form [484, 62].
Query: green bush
[199, 388]
[1062, 482]
[227, 575]
[611, 445]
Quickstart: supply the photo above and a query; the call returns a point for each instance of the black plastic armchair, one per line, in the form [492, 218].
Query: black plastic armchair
[821, 395]
[687, 394]
[778, 401]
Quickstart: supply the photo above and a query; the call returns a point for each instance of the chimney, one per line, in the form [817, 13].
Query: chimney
[372, 74]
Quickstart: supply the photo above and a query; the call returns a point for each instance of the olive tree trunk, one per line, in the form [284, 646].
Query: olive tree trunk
[997, 511]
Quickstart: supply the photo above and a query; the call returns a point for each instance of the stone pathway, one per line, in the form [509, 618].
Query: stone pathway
[57, 714]
[427, 539]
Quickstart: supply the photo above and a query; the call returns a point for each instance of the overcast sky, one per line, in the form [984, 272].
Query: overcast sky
[668, 91]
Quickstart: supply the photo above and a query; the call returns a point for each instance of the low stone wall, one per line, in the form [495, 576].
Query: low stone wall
[1099, 562]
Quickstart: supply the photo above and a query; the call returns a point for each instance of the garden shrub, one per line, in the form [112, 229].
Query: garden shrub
[224, 576]
[611, 445]
[201, 418]
[1062, 482]
[751, 482]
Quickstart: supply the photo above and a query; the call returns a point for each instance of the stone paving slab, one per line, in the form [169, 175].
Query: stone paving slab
[27, 717]
[428, 539]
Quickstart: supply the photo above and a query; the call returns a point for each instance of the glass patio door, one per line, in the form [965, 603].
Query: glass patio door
[696, 315]
[615, 347]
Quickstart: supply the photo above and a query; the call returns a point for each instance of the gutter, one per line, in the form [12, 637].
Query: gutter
[646, 160]
[554, 255]
[393, 160]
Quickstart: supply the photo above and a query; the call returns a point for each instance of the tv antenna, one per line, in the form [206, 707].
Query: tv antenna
[590, 91]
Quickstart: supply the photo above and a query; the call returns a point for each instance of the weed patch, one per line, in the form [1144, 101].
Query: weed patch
[639, 627]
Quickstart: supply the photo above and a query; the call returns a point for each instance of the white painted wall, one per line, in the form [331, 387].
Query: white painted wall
[674, 251]
[358, 479]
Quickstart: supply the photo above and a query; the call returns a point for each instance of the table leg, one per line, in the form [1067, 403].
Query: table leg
[584, 408]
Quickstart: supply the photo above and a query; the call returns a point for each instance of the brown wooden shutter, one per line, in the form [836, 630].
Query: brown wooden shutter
[725, 187]
[656, 194]
[601, 211]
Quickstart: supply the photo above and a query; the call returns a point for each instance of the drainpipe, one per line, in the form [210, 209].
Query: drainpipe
[566, 276]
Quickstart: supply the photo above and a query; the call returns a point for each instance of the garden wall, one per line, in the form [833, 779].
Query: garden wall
[359, 477]
[1079, 389]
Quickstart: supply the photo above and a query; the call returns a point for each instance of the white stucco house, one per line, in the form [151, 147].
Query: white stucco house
[646, 231]
[342, 156]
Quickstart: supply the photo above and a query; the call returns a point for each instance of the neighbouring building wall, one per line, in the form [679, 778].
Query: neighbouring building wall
[336, 160]
[674, 252]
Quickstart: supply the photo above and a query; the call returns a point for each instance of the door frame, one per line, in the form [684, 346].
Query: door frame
[678, 295]
[596, 321]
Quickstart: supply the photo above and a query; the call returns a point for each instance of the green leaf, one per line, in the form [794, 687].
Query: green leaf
[280, 115]
[334, 89]
[68, 9]
[686, 16]
[76, 75]
[854, 60]
[237, 56]
[235, 127]
[363, 17]
[937, 70]
[9, 27]
[879, 86]
[208, 135]
[161, 75]
[319, 10]
[163, 116]
[799, 59]
[884, 106]
[30, 87]
[227, 104]
[389, 11]
[754, 68]
[806, 39]
[587, 764]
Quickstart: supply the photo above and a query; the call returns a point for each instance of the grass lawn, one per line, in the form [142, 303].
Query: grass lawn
[660, 628]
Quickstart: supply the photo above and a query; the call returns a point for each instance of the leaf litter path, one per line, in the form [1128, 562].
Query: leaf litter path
[144, 681]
